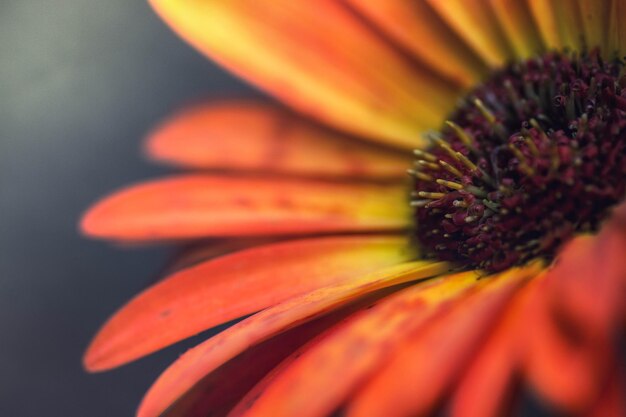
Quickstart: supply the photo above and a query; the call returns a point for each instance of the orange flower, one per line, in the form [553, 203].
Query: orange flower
[504, 273]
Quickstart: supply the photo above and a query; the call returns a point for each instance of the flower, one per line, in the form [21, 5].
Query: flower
[503, 275]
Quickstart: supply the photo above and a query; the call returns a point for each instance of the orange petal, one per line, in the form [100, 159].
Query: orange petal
[248, 400]
[485, 389]
[200, 361]
[476, 22]
[225, 288]
[587, 287]
[567, 372]
[196, 206]
[421, 370]
[221, 390]
[253, 136]
[292, 50]
[517, 22]
[352, 351]
[419, 29]
[575, 319]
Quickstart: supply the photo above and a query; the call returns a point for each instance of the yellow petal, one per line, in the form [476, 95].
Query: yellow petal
[559, 22]
[594, 15]
[518, 24]
[320, 58]
[476, 22]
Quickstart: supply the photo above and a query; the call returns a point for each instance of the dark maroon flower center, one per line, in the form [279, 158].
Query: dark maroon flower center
[532, 156]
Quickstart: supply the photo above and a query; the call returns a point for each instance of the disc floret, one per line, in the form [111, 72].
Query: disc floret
[534, 155]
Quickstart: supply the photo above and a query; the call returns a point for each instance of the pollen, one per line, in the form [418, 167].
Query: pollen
[531, 157]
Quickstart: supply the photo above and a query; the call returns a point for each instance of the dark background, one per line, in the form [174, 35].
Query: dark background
[81, 82]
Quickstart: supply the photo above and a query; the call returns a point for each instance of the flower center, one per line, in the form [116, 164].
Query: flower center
[532, 156]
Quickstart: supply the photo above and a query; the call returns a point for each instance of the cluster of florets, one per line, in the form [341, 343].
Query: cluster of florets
[532, 156]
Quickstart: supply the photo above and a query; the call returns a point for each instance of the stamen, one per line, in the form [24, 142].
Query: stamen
[461, 134]
[451, 169]
[428, 165]
[488, 115]
[450, 184]
[465, 161]
[421, 176]
[433, 196]
[427, 156]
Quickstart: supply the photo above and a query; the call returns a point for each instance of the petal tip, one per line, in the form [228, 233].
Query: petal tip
[102, 353]
[92, 360]
[93, 223]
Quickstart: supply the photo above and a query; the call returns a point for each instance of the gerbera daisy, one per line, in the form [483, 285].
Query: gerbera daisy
[494, 271]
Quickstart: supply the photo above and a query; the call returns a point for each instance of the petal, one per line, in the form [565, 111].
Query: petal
[419, 29]
[195, 206]
[253, 136]
[595, 22]
[575, 320]
[566, 372]
[517, 22]
[246, 401]
[617, 37]
[232, 286]
[485, 388]
[587, 287]
[430, 361]
[221, 390]
[476, 23]
[200, 361]
[195, 253]
[544, 14]
[352, 351]
[291, 49]
[559, 22]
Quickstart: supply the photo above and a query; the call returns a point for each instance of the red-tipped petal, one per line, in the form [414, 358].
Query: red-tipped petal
[198, 362]
[196, 206]
[253, 136]
[322, 59]
[225, 288]
[427, 364]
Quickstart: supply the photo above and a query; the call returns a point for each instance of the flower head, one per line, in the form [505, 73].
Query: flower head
[494, 269]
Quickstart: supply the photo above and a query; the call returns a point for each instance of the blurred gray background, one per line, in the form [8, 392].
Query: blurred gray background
[81, 82]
